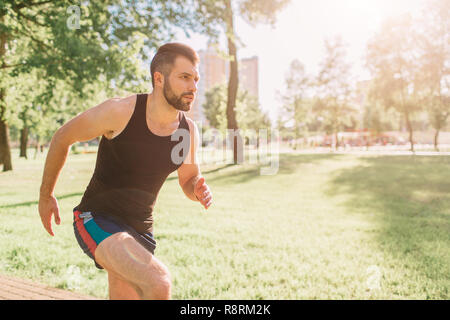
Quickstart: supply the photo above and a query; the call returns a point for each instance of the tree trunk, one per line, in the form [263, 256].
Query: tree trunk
[5, 150]
[23, 142]
[233, 84]
[37, 146]
[436, 138]
[336, 138]
[410, 130]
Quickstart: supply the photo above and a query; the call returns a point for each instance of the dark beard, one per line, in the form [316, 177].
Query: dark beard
[175, 101]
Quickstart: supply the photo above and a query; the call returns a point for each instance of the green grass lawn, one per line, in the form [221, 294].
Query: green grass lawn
[326, 226]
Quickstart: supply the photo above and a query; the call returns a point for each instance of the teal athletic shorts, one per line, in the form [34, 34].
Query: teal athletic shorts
[92, 228]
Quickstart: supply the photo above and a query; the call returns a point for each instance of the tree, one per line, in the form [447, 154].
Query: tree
[222, 13]
[248, 111]
[215, 106]
[297, 102]
[392, 59]
[377, 118]
[333, 89]
[79, 45]
[435, 63]
[250, 114]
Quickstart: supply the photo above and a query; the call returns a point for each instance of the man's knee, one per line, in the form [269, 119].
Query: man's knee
[159, 286]
[162, 289]
[145, 271]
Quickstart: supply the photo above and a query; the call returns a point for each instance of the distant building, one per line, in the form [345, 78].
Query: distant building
[214, 70]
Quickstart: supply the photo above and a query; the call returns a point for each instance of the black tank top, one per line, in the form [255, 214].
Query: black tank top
[131, 169]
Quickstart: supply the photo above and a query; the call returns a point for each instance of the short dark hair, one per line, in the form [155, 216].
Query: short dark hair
[166, 55]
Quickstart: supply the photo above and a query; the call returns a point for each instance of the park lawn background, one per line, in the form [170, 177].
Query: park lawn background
[326, 226]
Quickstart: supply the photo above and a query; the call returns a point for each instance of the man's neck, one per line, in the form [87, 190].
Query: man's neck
[159, 112]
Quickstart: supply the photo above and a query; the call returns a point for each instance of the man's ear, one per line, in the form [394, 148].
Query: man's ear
[158, 79]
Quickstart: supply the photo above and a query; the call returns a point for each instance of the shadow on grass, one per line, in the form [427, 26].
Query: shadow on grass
[409, 197]
[35, 202]
[288, 163]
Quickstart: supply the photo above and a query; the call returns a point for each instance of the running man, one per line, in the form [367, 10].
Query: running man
[145, 137]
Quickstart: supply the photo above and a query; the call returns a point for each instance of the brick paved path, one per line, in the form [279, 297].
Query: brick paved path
[19, 289]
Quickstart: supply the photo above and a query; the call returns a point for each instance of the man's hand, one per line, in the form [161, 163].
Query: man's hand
[48, 205]
[203, 193]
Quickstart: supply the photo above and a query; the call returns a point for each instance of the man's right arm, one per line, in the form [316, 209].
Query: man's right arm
[99, 120]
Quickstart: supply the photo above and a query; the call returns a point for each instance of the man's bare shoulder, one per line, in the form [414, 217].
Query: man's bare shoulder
[120, 110]
[123, 106]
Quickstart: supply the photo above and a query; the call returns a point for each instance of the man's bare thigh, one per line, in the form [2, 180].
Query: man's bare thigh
[121, 254]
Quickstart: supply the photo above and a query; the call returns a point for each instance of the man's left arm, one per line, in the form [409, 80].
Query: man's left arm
[189, 176]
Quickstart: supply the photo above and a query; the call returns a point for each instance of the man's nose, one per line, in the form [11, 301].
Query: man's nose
[193, 87]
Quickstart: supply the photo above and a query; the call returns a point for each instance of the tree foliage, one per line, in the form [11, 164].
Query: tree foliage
[393, 60]
[248, 111]
[72, 51]
[296, 112]
[434, 48]
[334, 89]
[216, 17]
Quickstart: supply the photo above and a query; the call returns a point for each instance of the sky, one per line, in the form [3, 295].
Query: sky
[299, 34]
